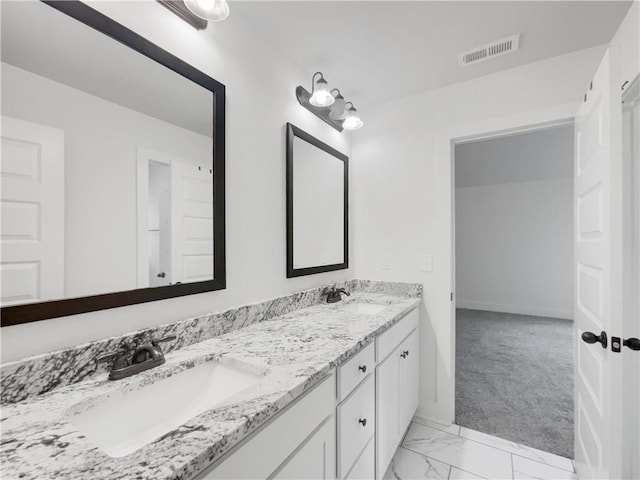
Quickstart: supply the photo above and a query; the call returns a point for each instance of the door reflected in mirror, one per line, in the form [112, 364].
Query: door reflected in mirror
[317, 205]
[175, 214]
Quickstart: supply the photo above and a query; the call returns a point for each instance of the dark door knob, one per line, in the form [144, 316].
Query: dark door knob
[632, 343]
[362, 368]
[589, 337]
[162, 275]
[363, 422]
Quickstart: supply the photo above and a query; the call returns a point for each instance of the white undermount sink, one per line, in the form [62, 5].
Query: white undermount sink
[362, 308]
[128, 420]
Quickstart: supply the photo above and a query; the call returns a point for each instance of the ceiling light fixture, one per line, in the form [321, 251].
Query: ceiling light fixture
[328, 105]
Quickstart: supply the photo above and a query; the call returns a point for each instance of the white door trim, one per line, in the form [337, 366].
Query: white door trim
[442, 309]
[143, 156]
[520, 129]
[631, 315]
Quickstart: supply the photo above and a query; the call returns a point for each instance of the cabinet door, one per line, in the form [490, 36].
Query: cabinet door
[364, 468]
[269, 447]
[356, 425]
[316, 458]
[387, 405]
[408, 380]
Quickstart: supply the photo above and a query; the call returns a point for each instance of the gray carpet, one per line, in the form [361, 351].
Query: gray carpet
[514, 378]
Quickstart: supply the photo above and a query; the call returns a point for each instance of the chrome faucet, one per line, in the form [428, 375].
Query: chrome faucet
[144, 357]
[333, 295]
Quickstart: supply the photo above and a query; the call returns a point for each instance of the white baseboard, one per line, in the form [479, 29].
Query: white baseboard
[517, 309]
[435, 420]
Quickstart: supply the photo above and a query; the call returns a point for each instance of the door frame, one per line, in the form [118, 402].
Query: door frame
[631, 282]
[479, 136]
[442, 305]
[145, 155]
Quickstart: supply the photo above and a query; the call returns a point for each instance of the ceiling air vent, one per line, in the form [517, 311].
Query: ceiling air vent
[490, 50]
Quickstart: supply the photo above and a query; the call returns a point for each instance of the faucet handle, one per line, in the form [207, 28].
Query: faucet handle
[168, 338]
[118, 358]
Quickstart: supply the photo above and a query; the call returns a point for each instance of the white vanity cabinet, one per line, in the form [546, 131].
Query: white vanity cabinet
[297, 443]
[394, 392]
[348, 427]
[408, 380]
[316, 457]
[396, 387]
[356, 412]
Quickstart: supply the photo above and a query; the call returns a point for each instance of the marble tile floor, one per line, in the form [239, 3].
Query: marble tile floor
[432, 451]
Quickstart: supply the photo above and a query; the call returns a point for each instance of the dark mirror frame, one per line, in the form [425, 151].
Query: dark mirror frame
[18, 314]
[292, 132]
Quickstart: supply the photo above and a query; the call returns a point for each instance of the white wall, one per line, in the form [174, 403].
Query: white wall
[514, 247]
[514, 223]
[402, 194]
[260, 101]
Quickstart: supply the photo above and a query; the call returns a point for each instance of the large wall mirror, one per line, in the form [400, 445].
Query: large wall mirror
[112, 166]
[317, 205]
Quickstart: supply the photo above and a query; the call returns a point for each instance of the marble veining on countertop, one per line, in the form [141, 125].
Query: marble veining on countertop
[44, 373]
[293, 351]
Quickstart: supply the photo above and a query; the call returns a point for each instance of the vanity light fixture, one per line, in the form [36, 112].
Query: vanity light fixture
[198, 13]
[352, 120]
[336, 112]
[328, 105]
[320, 94]
[212, 10]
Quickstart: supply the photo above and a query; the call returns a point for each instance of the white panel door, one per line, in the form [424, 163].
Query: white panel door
[598, 277]
[191, 223]
[32, 211]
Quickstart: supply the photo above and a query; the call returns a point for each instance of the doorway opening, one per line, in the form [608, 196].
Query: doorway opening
[514, 288]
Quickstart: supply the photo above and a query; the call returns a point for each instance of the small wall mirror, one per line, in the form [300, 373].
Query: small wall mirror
[113, 166]
[317, 205]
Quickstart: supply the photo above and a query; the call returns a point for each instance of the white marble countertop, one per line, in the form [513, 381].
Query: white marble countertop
[295, 350]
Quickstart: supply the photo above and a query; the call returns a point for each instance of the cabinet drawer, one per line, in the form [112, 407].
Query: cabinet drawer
[354, 370]
[389, 340]
[356, 424]
[365, 465]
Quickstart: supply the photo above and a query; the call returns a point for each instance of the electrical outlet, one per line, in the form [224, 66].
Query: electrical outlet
[386, 262]
[426, 263]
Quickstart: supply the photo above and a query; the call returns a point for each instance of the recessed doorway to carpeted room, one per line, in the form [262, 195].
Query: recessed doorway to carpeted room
[514, 245]
[514, 378]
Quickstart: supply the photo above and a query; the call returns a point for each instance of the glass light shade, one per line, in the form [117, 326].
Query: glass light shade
[212, 10]
[321, 95]
[337, 109]
[352, 120]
